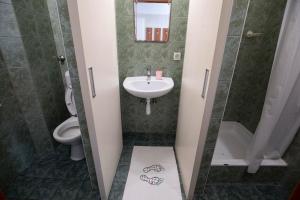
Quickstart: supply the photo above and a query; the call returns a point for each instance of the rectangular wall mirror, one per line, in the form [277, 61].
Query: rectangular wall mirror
[152, 20]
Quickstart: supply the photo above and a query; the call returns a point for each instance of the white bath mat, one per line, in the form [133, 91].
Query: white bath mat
[152, 175]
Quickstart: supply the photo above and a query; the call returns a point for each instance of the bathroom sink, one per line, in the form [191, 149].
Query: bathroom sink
[139, 86]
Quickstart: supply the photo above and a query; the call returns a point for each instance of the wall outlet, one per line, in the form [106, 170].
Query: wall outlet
[177, 56]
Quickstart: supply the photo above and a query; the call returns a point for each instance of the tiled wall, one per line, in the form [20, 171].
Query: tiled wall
[61, 27]
[35, 28]
[20, 73]
[254, 63]
[259, 15]
[16, 146]
[134, 57]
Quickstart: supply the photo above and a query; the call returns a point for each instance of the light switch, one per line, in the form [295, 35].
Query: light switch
[177, 56]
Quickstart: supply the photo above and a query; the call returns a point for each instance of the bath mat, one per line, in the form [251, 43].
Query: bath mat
[152, 175]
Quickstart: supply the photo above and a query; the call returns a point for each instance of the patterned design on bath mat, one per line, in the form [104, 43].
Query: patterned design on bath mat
[155, 168]
[153, 180]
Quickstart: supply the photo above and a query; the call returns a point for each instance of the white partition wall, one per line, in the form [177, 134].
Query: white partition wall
[208, 23]
[94, 34]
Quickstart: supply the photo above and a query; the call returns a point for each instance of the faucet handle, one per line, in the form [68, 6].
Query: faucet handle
[149, 70]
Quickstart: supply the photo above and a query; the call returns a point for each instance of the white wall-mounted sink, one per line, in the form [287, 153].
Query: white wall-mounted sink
[140, 87]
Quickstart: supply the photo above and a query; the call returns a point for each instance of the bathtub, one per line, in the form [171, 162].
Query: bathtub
[232, 144]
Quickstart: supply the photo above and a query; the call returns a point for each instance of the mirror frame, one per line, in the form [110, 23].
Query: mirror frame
[134, 19]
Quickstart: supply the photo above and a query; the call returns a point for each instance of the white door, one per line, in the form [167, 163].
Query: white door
[94, 34]
[208, 23]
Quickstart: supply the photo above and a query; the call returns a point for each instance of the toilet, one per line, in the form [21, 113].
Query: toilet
[68, 132]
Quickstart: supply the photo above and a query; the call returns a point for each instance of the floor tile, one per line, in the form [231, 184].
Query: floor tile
[68, 189]
[53, 177]
[46, 189]
[86, 192]
[23, 187]
[272, 192]
[243, 191]
[56, 177]
[236, 192]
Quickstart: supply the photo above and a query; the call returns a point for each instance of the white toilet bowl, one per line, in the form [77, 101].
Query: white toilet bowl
[68, 132]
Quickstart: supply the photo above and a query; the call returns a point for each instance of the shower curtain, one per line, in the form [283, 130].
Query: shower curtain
[280, 117]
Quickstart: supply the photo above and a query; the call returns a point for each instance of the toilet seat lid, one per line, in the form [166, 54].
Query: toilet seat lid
[70, 102]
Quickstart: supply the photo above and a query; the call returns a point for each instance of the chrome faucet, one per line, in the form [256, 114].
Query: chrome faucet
[149, 73]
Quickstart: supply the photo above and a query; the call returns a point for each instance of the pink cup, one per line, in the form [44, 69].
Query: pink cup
[159, 74]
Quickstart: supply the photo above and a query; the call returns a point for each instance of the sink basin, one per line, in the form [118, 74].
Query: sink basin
[140, 87]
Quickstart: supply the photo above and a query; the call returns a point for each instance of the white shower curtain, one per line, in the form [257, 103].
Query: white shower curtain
[280, 117]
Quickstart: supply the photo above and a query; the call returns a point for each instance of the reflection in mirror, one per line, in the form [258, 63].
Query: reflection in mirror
[152, 20]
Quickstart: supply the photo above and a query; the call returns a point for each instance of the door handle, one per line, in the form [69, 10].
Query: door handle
[92, 82]
[61, 59]
[205, 83]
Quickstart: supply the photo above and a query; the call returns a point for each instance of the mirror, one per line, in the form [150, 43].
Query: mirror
[152, 20]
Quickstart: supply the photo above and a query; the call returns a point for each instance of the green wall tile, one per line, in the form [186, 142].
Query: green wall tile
[239, 11]
[229, 57]
[134, 57]
[16, 146]
[220, 99]
[254, 63]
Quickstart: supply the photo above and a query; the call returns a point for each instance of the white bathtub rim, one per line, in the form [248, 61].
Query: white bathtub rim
[233, 126]
[243, 162]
